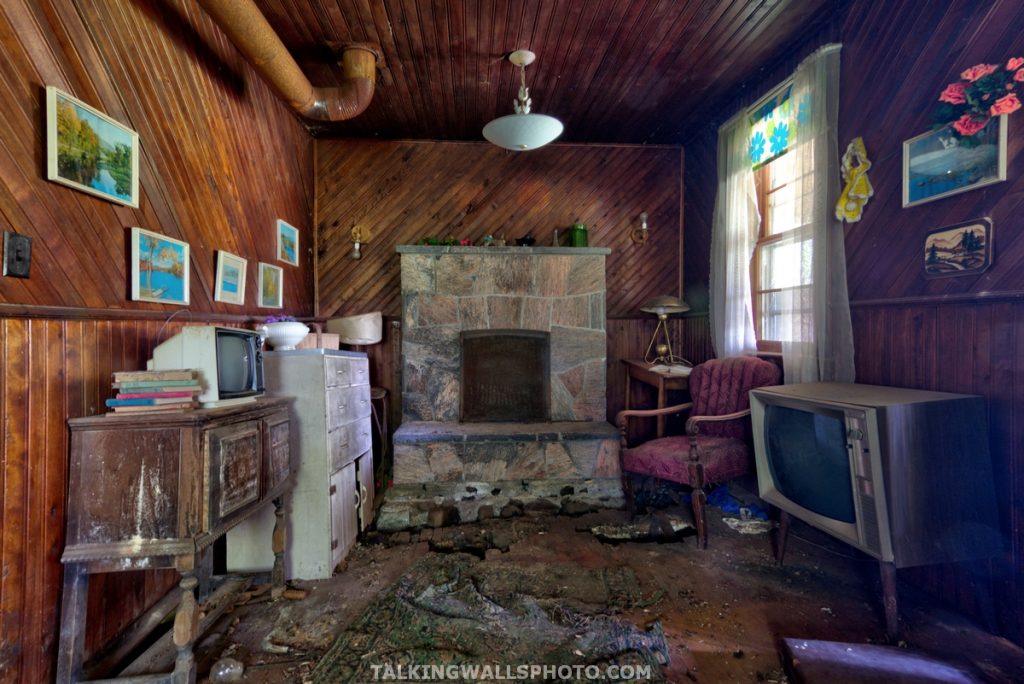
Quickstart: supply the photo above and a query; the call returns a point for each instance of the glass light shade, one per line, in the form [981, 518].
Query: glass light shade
[520, 132]
[663, 305]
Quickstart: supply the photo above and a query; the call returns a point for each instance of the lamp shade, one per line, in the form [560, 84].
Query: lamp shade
[520, 132]
[665, 305]
[359, 330]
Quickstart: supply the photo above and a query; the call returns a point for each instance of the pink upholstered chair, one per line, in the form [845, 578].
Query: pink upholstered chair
[717, 446]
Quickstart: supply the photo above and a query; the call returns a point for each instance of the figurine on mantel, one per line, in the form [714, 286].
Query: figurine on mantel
[526, 241]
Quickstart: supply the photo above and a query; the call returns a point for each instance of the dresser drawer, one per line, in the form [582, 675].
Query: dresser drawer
[337, 371]
[348, 442]
[345, 404]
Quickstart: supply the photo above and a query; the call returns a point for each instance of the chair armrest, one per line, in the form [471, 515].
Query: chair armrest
[622, 417]
[693, 423]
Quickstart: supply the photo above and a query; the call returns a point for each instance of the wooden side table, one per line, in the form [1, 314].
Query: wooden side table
[641, 371]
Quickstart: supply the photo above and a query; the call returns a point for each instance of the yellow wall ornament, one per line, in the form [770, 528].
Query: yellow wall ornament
[858, 188]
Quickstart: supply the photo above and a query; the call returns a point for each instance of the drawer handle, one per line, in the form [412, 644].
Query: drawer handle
[334, 544]
[334, 489]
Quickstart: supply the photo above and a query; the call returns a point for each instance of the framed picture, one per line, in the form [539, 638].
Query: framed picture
[287, 243]
[960, 249]
[89, 151]
[936, 164]
[230, 286]
[159, 268]
[270, 286]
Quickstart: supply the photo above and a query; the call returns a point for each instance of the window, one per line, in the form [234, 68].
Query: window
[780, 272]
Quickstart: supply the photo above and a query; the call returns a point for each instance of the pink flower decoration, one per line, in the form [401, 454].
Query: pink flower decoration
[955, 93]
[978, 71]
[1019, 76]
[1014, 63]
[465, 242]
[1005, 105]
[967, 125]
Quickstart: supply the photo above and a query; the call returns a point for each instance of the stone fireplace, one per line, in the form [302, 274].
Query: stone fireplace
[503, 385]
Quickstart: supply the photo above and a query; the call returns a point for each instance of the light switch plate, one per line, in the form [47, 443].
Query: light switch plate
[17, 254]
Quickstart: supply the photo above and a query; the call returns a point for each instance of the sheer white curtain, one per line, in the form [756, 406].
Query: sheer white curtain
[818, 344]
[733, 235]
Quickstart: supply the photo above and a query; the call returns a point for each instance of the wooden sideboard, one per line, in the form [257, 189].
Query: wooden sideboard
[154, 490]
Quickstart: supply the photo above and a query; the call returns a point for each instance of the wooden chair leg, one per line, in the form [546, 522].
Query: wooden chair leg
[699, 500]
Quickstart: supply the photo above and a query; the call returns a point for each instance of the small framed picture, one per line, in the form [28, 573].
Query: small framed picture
[961, 249]
[89, 151]
[159, 268]
[937, 164]
[287, 243]
[271, 286]
[230, 286]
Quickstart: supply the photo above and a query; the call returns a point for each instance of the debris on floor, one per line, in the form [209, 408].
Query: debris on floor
[658, 527]
[452, 609]
[750, 526]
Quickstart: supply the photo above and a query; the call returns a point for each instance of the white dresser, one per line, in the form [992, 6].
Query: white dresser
[332, 498]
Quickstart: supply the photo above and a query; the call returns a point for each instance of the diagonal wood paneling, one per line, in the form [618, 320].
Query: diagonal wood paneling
[956, 334]
[221, 160]
[406, 191]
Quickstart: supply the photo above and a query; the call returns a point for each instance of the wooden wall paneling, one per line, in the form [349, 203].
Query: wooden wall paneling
[406, 191]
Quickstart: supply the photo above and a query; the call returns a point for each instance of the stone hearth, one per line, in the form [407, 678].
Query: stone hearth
[483, 468]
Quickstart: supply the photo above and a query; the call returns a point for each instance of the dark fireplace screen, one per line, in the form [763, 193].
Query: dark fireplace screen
[505, 376]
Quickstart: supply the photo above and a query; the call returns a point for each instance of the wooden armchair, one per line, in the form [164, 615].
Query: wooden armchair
[717, 446]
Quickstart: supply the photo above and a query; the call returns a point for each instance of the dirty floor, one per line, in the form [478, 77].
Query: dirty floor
[724, 610]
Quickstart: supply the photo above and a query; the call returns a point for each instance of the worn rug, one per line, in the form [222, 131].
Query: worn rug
[456, 614]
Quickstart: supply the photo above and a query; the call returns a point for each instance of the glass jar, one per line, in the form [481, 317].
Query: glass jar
[578, 235]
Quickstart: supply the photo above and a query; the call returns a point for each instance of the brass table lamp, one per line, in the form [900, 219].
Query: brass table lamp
[661, 344]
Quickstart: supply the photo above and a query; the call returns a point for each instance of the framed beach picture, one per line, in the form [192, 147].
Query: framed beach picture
[961, 249]
[287, 243]
[937, 164]
[89, 151]
[159, 268]
[271, 286]
[230, 287]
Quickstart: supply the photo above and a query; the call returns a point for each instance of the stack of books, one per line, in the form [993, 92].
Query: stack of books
[163, 390]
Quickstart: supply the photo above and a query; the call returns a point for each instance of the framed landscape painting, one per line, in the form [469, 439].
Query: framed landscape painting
[287, 243]
[89, 151]
[230, 286]
[159, 268]
[937, 164]
[270, 286]
[961, 249]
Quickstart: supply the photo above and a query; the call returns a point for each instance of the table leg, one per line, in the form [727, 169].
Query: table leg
[661, 404]
[186, 626]
[629, 387]
[278, 543]
[72, 623]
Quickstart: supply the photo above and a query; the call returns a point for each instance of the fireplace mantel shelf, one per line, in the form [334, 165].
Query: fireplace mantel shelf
[503, 251]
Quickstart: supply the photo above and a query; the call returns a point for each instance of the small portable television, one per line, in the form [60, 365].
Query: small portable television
[903, 475]
[229, 362]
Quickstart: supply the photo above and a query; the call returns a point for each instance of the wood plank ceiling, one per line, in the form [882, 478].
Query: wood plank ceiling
[614, 71]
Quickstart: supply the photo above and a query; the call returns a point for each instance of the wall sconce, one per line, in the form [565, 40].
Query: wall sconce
[359, 236]
[639, 235]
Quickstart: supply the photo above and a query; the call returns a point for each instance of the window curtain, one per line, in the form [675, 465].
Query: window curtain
[733, 234]
[819, 345]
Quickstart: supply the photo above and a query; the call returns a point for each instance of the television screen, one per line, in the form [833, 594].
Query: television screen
[808, 460]
[235, 363]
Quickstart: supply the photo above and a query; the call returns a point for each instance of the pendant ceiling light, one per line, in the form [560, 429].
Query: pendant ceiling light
[522, 131]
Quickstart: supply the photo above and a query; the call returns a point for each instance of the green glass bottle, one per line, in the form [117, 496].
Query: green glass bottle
[578, 235]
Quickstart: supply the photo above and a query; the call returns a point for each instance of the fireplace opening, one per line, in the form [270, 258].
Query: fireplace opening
[505, 376]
